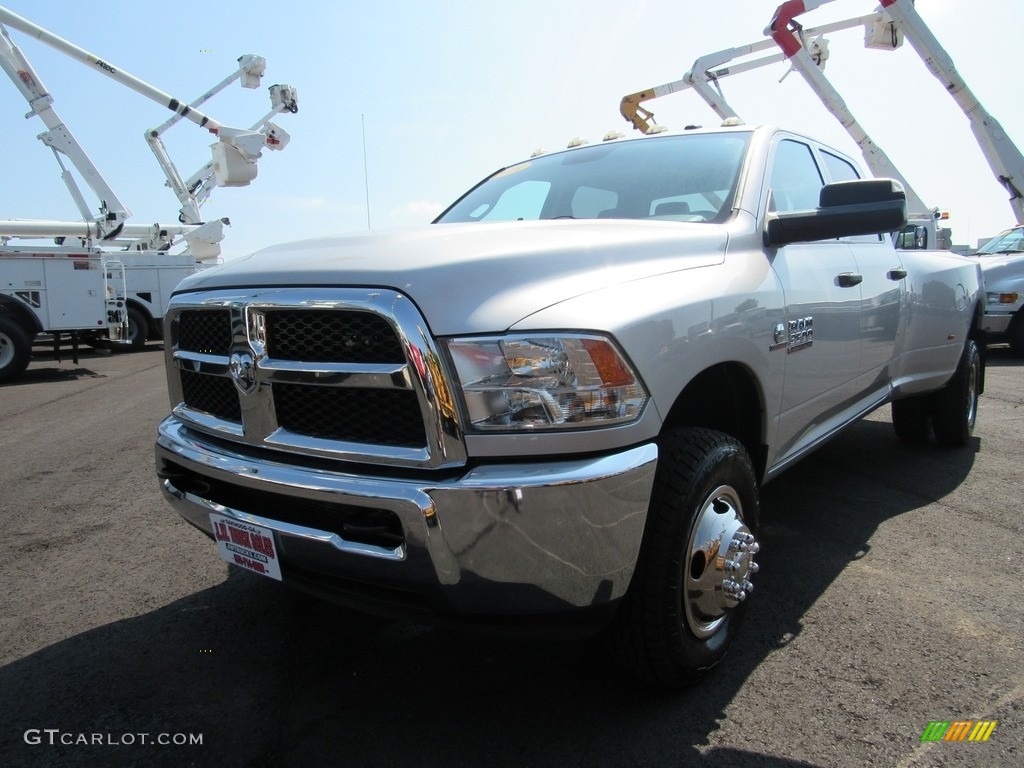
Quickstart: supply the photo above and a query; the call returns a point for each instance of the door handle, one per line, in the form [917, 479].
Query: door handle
[849, 279]
[896, 274]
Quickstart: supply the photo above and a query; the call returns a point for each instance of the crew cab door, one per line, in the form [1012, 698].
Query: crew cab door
[881, 275]
[821, 338]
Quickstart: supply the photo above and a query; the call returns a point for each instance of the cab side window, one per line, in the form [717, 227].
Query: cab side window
[795, 181]
[838, 168]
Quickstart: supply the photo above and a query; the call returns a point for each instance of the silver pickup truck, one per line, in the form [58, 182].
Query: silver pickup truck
[553, 407]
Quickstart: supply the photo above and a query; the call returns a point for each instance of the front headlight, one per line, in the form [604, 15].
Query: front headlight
[1002, 298]
[545, 382]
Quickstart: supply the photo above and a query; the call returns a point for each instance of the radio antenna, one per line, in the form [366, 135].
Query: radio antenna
[366, 175]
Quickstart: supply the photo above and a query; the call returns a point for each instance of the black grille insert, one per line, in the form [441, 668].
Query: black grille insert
[377, 416]
[205, 331]
[214, 395]
[332, 336]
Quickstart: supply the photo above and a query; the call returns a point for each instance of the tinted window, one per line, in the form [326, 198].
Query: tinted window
[838, 168]
[795, 181]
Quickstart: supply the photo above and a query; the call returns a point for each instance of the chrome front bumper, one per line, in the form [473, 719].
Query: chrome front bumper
[997, 324]
[498, 540]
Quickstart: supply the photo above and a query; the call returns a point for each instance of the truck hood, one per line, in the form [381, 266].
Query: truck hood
[473, 278]
[1002, 271]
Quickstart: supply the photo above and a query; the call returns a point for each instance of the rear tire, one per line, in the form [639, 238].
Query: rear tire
[910, 418]
[138, 334]
[955, 406]
[686, 600]
[15, 349]
[138, 329]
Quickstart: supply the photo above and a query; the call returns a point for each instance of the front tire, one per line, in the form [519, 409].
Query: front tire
[955, 406]
[686, 600]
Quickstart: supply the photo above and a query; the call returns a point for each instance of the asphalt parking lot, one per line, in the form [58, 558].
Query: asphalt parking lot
[889, 598]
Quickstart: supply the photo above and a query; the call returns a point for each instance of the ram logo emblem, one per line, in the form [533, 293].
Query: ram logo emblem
[242, 368]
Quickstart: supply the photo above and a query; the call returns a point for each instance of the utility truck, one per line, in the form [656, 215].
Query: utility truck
[104, 280]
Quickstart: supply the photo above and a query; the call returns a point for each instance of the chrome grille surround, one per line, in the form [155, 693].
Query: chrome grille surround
[417, 381]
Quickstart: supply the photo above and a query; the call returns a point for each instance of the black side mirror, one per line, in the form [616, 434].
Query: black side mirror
[845, 208]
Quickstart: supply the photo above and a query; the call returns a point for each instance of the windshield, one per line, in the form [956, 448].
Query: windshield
[1010, 241]
[681, 178]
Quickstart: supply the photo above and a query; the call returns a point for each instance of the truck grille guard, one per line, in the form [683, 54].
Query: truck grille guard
[338, 373]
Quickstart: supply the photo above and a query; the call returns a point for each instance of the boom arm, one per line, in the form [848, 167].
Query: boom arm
[234, 155]
[699, 78]
[283, 98]
[709, 69]
[1002, 155]
[70, 49]
[809, 60]
[878, 162]
[61, 141]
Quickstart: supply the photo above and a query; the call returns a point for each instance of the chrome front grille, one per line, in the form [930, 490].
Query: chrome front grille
[338, 373]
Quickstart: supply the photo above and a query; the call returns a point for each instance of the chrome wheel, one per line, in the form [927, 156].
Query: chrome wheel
[6, 350]
[973, 374]
[955, 406]
[719, 562]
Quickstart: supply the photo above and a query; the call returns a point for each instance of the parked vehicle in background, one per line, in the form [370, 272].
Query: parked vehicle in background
[1002, 264]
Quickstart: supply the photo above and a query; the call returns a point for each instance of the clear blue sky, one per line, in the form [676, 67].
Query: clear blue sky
[450, 90]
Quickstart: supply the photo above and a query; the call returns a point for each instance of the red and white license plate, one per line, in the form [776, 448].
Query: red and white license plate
[246, 545]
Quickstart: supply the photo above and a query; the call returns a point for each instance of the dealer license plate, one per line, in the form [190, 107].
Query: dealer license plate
[246, 545]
